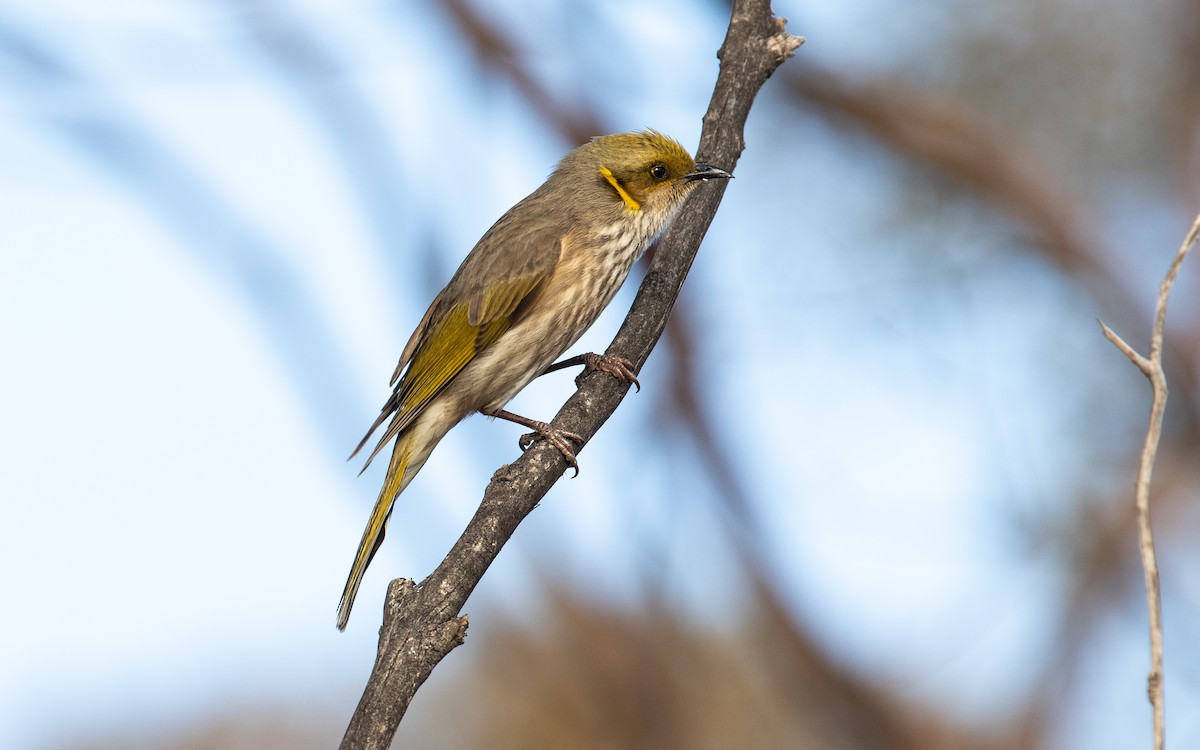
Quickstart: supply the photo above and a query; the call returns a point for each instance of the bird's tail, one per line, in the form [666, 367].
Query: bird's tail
[401, 469]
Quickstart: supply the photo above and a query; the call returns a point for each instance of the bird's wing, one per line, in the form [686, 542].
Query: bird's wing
[450, 336]
[411, 346]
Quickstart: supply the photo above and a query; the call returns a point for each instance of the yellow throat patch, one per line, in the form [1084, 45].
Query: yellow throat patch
[607, 174]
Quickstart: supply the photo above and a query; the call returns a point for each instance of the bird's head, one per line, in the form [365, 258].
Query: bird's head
[646, 171]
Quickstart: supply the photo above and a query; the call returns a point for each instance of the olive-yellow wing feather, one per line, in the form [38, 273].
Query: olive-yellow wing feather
[448, 342]
[443, 344]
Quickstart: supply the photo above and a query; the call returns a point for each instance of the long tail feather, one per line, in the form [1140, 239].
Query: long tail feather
[395, 481]
[388, 410]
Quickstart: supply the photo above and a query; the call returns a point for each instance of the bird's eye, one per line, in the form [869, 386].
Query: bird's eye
[658, 172]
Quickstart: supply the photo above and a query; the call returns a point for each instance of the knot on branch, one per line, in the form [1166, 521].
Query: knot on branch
[782, 44]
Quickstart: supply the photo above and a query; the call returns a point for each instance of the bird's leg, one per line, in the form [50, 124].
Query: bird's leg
[556, 437]
[619, 367]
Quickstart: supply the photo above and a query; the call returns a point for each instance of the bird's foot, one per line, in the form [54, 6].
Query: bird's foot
[619, 367]
[560, 439]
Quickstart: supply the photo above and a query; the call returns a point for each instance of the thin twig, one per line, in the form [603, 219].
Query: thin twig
[1152, 368]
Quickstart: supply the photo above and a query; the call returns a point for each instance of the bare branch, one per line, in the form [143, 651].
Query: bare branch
[421, 622]
[1138, 360]
[1152, 368]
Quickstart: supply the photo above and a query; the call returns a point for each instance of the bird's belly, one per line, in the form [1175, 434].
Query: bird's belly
[570, 303]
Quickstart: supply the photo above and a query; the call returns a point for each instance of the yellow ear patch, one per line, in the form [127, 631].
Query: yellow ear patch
[607, 174]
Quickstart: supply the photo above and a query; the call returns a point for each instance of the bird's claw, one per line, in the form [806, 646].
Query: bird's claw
[560, 439]
[619, 367]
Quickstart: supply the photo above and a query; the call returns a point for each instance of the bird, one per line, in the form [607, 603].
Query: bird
[531, 286]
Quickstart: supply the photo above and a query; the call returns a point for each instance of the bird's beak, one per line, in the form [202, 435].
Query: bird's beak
[708, 172]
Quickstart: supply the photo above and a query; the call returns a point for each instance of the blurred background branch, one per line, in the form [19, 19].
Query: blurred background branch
[888, 506]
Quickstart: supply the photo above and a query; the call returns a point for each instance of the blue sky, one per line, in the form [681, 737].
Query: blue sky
[205, 295]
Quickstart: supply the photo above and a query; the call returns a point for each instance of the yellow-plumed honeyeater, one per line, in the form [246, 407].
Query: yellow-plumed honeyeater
[528, 290]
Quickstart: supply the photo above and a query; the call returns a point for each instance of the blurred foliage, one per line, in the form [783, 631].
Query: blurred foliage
[1019, 139]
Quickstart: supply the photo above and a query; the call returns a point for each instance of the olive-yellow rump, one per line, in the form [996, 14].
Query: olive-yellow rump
[528, 290]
